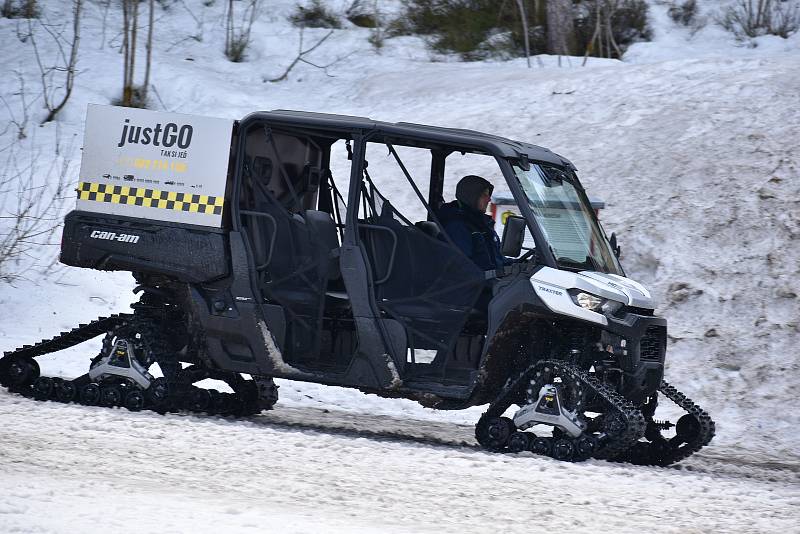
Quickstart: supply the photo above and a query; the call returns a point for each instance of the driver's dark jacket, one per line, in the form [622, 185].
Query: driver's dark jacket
[472, 232]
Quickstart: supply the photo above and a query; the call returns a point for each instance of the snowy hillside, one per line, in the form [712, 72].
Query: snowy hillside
[691, 141]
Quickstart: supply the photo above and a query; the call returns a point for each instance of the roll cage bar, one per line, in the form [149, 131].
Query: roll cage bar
[440, 141]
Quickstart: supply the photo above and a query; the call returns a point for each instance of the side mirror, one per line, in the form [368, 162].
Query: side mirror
[614, 247]
[513, 234]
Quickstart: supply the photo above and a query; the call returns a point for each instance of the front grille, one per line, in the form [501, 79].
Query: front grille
[652, 344]
[625, 310]
[578, 338]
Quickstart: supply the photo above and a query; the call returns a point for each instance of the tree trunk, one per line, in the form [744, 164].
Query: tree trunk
[146, 84]
[126, 82]
[524, 18]
[73, 61]
[560, 27]
[133, 29]
[229, 30]
[539, 16]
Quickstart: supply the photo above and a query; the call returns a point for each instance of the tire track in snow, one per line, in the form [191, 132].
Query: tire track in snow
[352, 471]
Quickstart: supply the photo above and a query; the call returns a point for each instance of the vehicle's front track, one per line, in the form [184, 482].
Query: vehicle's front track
[585, 418]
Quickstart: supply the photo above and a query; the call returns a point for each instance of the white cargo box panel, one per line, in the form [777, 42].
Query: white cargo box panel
[154, 165]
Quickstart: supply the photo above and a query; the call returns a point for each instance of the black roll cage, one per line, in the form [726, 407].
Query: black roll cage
[440, 141]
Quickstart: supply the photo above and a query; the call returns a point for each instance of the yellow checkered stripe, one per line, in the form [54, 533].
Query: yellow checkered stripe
[150, 198]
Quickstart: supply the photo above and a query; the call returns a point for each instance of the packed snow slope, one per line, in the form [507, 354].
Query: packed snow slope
[691, 143]
[142, 472]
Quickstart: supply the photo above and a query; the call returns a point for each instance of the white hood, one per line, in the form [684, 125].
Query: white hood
[551, 286]
[636, 293]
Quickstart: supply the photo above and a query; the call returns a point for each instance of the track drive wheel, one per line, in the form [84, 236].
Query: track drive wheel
[687, 429]
[66, 391]
[197, 399]
[520, 441]
[90, 394]
[493, 432]
[267, 393]
[111, 396]
[134, 400]
[563, 449]
[221, 403]
[18, 371]
[43, 388]
[158, 395]
[542, 446]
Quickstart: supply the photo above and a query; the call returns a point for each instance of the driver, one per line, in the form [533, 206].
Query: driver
[467, 224]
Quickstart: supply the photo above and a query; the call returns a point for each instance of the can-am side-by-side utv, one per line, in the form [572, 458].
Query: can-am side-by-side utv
[267, 248]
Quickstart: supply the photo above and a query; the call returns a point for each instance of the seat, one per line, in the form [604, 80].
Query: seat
[430, 228]
[322, 226]
[418, 279]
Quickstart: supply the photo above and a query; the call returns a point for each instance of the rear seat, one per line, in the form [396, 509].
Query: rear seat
[430, 228]
[324, 228]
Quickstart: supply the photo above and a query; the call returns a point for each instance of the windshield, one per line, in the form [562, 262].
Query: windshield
[566, 219]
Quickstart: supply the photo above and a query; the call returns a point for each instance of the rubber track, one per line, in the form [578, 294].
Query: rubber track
[707, 426]
[634, 420]
[244, 400]
[616, 449]
[236, 404]
[65, 340]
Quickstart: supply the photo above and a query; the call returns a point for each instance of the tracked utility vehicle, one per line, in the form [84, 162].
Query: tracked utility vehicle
[307, 246]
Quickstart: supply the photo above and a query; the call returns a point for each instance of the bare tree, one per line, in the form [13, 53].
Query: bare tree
[560, 28]
[749, 18]
[66, 63]
[603, 42]
[301, 57]
[237, 36]
[24, 9]
[21, 122]
[149, 48]
[106, 4]
[130, 12]
[376, 37]
[524, 18]
[135, 95]
[31, 203]
[200, 21]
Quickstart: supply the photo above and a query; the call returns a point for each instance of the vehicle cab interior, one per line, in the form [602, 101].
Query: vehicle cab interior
[306, 195]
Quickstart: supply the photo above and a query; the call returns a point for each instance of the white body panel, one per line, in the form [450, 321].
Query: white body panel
[637, 294]
[551, 286]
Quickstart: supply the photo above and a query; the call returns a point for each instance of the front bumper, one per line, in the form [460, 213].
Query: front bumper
[639, 343]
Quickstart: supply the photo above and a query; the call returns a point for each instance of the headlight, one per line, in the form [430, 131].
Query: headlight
[610, 307]
[588, 301]
[594, 303]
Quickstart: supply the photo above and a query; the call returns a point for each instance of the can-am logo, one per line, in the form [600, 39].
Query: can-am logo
[167, 136]
[113, 236]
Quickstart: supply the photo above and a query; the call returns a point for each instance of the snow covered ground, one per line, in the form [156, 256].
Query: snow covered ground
[147, 473]
[691, 142]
